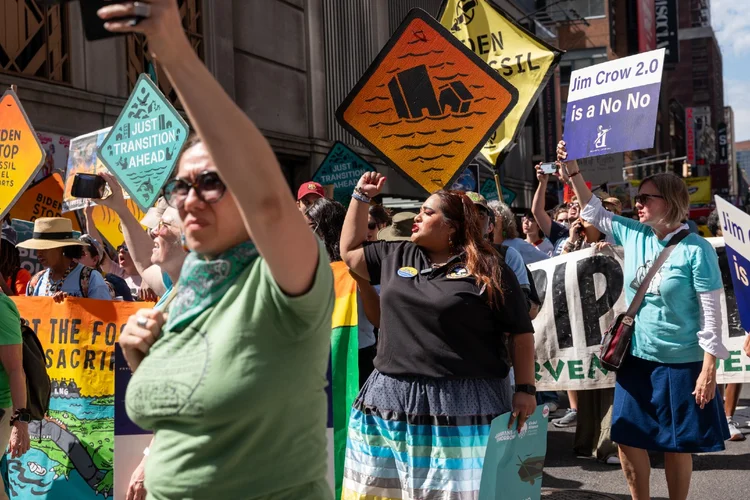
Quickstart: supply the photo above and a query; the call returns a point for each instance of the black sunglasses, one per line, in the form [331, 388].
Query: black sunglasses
[372, 225]
[643, 198]
[208, 187]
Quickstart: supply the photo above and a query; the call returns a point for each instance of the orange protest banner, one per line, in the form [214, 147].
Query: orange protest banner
[427, 104]
[72, 451]
[43, 199]
[21, 153]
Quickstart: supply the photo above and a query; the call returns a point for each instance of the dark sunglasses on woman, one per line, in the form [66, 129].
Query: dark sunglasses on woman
[208, 187]
[644, 198]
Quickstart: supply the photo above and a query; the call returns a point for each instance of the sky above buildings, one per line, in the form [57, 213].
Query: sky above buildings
[731, 22]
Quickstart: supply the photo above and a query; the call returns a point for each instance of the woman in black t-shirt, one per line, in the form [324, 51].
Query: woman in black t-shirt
[447, 303]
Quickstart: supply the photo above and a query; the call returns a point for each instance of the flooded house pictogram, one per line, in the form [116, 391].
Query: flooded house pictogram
[412, 93]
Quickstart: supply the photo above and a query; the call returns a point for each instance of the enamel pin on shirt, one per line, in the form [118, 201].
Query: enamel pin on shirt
[407, 272]
[458, 271]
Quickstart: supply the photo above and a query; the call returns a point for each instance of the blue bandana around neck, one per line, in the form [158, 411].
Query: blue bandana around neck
[203, 282]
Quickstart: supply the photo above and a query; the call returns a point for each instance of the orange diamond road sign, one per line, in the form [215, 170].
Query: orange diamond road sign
[427, 104]
[21, 153]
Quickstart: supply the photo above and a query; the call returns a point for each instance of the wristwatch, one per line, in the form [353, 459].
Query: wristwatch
[20, 415]
[527, 388]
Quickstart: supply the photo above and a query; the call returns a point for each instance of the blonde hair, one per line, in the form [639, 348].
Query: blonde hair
[676, 196]
[506, 217]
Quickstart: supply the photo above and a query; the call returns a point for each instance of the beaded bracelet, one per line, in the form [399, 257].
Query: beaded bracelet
[360, 197]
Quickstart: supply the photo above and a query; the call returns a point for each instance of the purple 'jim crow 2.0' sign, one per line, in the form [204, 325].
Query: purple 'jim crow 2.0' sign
[612, 106]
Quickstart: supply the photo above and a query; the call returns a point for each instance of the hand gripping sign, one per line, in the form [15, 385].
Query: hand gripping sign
[142, 148]
[427, 104]
[21, 153]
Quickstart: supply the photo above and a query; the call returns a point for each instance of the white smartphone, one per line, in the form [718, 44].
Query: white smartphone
[549, 168]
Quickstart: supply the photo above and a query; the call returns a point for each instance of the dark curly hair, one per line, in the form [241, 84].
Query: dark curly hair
[326, 218]
[381, 215]
[10, 259]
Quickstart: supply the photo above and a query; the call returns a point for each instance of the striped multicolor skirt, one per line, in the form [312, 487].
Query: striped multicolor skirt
[420, 438]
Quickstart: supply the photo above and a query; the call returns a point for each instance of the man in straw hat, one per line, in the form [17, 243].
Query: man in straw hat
[58, 251]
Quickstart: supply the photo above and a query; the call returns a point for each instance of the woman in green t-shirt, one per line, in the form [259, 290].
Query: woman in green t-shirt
[233, 380]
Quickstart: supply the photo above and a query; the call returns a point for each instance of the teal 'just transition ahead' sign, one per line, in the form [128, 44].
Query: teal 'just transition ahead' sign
[342, 168]
[144, 143]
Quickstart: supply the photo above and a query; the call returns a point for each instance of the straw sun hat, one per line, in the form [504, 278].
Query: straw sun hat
[51, 232]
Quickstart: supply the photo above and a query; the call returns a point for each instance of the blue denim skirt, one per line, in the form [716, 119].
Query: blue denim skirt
[654, 409]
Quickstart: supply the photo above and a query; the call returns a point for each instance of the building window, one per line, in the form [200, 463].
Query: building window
[34, 40]
[139, 60]
[584, 8]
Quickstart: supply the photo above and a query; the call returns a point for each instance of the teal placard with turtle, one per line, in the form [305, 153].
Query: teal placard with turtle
[514, 461]
[342, 169]
[142, 148]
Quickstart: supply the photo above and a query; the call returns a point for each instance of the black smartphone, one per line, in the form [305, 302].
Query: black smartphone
[88, 186]
[93, 25]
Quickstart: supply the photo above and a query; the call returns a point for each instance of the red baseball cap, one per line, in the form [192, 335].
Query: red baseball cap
[310, 188]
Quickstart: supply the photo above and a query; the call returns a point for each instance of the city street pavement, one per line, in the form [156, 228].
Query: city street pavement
[724, 475]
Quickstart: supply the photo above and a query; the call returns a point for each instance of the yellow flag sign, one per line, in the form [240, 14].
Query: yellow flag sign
[523, 59]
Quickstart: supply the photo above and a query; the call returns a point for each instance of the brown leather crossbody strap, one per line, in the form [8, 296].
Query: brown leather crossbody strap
[641, 293]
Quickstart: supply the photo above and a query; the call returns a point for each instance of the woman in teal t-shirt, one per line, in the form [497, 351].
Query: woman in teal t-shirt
[233, 381]
[666, 397]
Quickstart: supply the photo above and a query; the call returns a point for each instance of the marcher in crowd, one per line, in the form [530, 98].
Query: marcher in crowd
[556, 228]
[510, 256]
[14, 422]
[445, 295]
[731, 391]
[326, 218]
[506, 233]
[534, 234]
[307, 193]
[591, 410]
[379, 218]
[58, 252]
[92, 257]
[143, 246]
[14, 279]
[665, 394]
[125, 266]
[252, 306]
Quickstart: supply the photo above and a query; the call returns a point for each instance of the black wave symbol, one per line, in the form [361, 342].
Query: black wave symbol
[430, 158]
[486, 99]
[438, 66]
[377, 98]
[411, 134]
[446, 78]
[433, 118]
[432, 169]
[414, 54]
[385, 124]
[147, 174]
[454, 130]
[452, 115]
[393, 71]
[376, 112]
[422, 146]
[477, 86]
